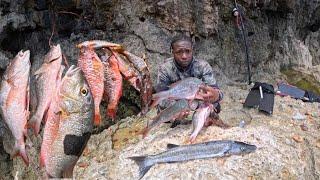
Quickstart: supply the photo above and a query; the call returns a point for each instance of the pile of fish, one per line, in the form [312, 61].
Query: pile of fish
[68, 105]
[176, 153]
[185, 94]
[105, 76]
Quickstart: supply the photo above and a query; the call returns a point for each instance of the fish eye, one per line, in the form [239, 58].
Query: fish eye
[84, 91]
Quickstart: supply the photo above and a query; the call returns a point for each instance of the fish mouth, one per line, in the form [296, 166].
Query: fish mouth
[56, 50]
[72, 70]
[25, 54]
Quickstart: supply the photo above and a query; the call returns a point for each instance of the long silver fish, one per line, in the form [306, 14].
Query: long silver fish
[14, 104]
[176, 153]
[66, 136]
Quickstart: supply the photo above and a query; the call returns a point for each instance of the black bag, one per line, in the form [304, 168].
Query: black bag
[312, 97]
[261, 95]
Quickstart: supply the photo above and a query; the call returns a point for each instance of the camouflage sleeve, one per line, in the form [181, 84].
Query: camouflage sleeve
[163, 80]
[163, 83]
[209, 78]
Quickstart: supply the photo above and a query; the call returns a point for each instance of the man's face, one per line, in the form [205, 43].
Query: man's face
[182, 53]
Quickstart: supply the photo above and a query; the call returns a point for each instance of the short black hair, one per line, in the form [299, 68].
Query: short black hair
[180, 38]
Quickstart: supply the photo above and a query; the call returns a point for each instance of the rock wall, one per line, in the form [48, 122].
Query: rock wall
[281, 34]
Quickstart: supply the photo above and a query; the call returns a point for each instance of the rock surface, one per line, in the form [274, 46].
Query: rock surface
[285, 150]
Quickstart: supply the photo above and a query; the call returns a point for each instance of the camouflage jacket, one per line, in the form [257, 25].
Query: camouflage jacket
[170, 72]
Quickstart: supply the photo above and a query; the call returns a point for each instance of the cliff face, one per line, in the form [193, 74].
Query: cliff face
[281, 35]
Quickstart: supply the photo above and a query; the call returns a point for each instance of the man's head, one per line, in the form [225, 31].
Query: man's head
[182, 50]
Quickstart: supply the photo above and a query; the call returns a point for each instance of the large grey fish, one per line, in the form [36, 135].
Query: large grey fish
[66, 136]
[14, 104]
[169, 114]
[199, 118]
[46, 82]
[176, 153]
[183, 89]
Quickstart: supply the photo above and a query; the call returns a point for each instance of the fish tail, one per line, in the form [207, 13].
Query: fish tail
[23, 154]
[141, 162]
[42, 156]
[68, 172]
[192, 137]
[97, 116]
[97, 119]
[111, 112]
[34, 123]
[155, 102]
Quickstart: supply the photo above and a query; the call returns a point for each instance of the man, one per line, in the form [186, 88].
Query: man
[184, 65]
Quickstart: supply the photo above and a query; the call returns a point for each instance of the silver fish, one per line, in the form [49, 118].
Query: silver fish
[183, 89]
[176, 153]
[171, 113]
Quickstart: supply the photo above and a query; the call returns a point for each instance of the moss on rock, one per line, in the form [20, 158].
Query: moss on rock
[302, 80]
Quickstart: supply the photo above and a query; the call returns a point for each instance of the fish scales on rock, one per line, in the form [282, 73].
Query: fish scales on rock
[14, 104]
[176, 153]
[66, 136]
[46, 83]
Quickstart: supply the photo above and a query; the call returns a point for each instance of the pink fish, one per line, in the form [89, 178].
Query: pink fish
[46, 82]
[113, 85]
[199, 118]
[14, 104]
[92, 67]
[68, 131]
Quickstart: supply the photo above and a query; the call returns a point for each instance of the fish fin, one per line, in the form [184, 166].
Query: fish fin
[42, 162]
[192, 138]
[140, 161]
[159, 95]
[68, 172]
[28, 97]
[23, 154]
[198, 97]
[111, 113]
[97, 119]
[34, 123]
[155, 102]
[170, 146]
[41, 70]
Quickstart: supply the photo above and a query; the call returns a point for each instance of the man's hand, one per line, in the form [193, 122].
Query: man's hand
[208, 93]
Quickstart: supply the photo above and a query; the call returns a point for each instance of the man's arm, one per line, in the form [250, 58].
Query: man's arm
[163, 83]
[163, 80]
